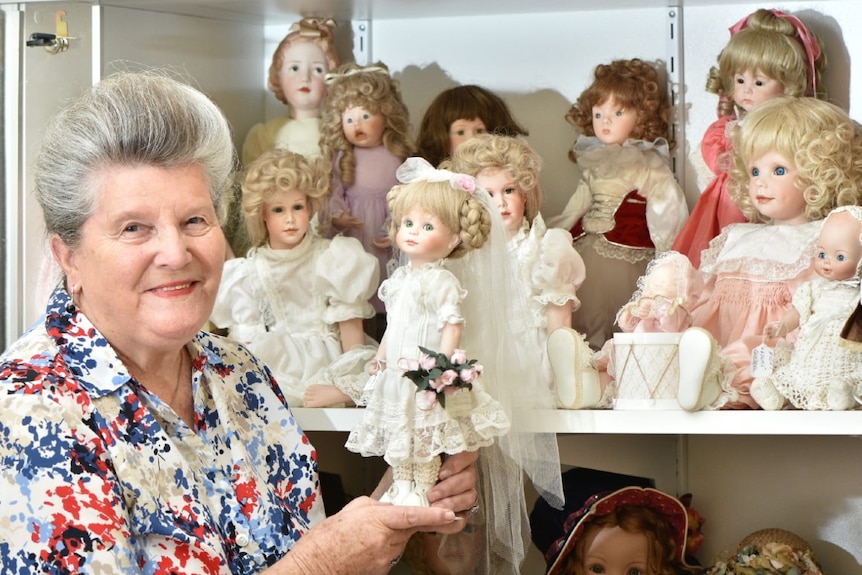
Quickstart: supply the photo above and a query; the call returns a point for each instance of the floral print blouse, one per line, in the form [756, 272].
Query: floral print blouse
[97, 475]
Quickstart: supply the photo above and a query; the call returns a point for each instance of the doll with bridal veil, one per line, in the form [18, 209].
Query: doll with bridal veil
[455, 245]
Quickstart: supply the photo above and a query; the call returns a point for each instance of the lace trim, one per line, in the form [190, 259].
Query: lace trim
[614, 251]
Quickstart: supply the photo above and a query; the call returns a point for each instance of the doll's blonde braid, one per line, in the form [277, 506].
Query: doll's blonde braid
[475, 227]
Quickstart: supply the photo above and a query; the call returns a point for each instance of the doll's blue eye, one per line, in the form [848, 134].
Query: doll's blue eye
[366, 116]
[597, 116]
[780, 171]
[619, 113]
[755, 172]
[821, 255]
[841, 258]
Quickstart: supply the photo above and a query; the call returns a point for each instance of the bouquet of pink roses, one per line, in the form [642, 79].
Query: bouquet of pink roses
[438, 376]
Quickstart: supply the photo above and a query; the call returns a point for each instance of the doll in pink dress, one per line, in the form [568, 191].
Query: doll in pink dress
[795, 159]
[458, 114]
[550, 269]
[365, 135]
[627, 206]
[769, 53]
[821, 373]
[297, 77]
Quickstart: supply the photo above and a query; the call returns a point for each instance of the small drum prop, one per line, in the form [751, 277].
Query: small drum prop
[647, 370]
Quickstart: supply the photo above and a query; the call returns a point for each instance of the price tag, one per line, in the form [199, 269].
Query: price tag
[762, 358]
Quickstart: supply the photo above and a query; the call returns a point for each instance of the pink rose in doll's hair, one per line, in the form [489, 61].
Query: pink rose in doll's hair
[459, 356]
[428, 362]
[468, 184]
[468, 375]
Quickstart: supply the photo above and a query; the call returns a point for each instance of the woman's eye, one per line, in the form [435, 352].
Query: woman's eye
[132, 229]
[428, 228]
[197, 224]
[780, 171]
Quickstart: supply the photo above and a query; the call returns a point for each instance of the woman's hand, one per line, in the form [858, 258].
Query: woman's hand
[365, 538]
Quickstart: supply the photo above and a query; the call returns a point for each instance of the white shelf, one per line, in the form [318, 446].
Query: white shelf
[644, 422]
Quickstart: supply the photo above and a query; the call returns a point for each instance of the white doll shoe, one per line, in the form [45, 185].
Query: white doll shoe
[397, 492]
[765, 394]
[577, 380]
[418, 497]
[839, 397]
[699, 370]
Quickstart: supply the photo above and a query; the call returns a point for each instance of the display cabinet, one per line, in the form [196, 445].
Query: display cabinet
[747, 470]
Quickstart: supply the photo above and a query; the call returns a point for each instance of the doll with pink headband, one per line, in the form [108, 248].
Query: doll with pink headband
[769, 53]
[297, 78]
[627, 206]
[631, 530]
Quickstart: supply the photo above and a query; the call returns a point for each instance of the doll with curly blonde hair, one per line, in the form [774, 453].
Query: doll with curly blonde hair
[795, 160]
[458, 114]
[551, 270]
[627, 206]
[435, 217]
[770, 53]
[297, 300]
[297, 79]
[365, 134]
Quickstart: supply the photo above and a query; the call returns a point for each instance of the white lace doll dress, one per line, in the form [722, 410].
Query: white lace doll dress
[285, 306]
[419, 302]
[551, 271]
[818, 361]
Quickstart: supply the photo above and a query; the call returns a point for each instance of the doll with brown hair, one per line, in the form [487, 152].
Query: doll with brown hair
[631, 530]
[795, 160]
[820, 309]
[365, 136]
[551, 270]
[627, 206]
[297, 78]
[296, 300]
[458, 114]
[769, 53]
[462, 553]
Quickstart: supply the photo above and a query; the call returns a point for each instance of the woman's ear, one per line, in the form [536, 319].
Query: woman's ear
[65, 257]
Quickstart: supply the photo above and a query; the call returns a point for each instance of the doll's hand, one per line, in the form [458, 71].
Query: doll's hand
[642, 308]
[382, 243]
[375, 366]
[346, 221]
[774, 329]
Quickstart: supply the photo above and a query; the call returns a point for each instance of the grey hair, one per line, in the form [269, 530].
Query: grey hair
[128, 119]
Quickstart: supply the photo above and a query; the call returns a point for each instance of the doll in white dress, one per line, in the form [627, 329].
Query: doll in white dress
[627, 206]
[297, 301]
[795, 160]
[550, 269]
[297, 77]
[431, 221]
[821, 373]
[365, 134]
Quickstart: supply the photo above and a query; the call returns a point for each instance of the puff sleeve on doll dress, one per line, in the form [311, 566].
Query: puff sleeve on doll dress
[285, 305]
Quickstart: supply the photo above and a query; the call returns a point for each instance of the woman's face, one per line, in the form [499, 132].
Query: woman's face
[148, 266]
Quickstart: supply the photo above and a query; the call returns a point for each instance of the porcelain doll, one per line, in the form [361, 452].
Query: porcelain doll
[795, 160]
[458, 114]
[769, 53]
[296, 300]
[551, 270]
[297, 78]
[631, 530]
[627, 206]
[440, 300]
[365, 135]
[821, 374]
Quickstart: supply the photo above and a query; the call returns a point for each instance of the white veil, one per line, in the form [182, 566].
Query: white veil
[495, 310]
